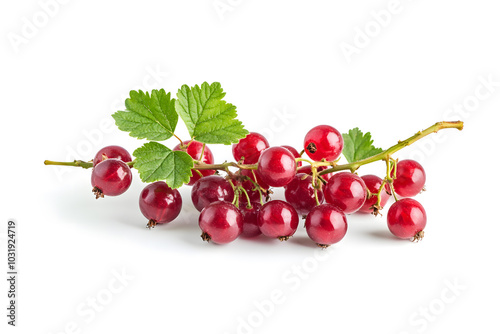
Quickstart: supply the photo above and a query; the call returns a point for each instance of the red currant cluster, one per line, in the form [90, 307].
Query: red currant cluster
[238, 203]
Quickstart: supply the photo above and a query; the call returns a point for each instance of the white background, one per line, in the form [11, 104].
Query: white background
[273, 58]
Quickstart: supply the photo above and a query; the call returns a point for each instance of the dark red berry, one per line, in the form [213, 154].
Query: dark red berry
[326, 225]
[300, 194]
[307, 170]
[194, 149]
[250, 148]
[209, 189]
[410, 178]
[407, 219]
[347, 191]
[278, 219]
[373, 183]
[294, 152]
[323, 142]
[220, 222]
[159, 203]
[111, 177]
[276, 166]
[250, 219]
[112, 152]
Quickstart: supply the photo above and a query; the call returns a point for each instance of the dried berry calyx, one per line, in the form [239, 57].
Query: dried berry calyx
[97, 192]
[151, 223]
[311, 148]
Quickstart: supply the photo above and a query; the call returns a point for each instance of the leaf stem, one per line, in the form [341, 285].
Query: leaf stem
[202, 151]
[180, 140]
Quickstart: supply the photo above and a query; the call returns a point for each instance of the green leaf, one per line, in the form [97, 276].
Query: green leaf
[156, 162]
[358, 146]
[151, 116]
[208, 118]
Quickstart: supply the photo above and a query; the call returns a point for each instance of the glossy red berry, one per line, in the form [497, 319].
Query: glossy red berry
[112, 152]
[373, 183]
[194, 149]
[250, 219]
[250, 148]
[220, 222]
[407, 219]
[307, 170]
[278, 219]
[276, 166]
[209, 189]
[111, 177]
[300, 194]
[323, 142]
[294, 152]
[159, 203]
[347, 191]
[326, 224]
[410, 178]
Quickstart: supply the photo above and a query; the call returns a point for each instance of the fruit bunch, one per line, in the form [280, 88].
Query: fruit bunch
[235, 198]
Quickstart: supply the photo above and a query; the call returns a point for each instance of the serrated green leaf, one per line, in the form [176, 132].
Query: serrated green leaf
[358, 146]
[156, 162]
[208, 118]
[151, 116]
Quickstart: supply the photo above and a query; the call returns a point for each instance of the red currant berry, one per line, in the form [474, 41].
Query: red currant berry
[209, 189]
[373, 184]
[347, 191]
[406, 219]
[300, 194]
[278, 219]
[194, 149]
[294, 152]
[276, 166]
[307, 170]
[326, 225]
[250, 148]
[220, 222]
[250, 220]
[410, 178]
[112, 152]
[323, 142]
[159, 203]
[112, 177]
